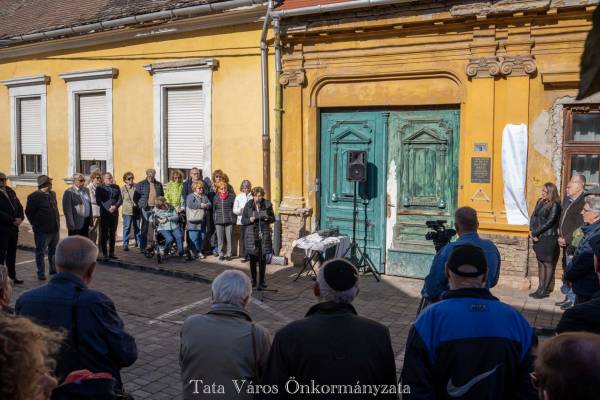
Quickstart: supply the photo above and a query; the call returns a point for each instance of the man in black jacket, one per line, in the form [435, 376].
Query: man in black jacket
[108, 197]
[580, 273]
[11, 216]
[584, 316]
[469, 346]
[570, 220]
[332, 348]
[42, 212]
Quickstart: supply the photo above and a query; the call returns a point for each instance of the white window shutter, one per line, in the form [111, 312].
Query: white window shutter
[30, 125]
[185, 127]
[93, 127]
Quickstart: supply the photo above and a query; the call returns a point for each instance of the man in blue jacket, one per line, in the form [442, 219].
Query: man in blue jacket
[469, 345]
[465, 219]
[96, 338]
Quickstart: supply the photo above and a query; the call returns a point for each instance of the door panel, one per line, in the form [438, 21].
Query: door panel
[423, 148]
[340, 133]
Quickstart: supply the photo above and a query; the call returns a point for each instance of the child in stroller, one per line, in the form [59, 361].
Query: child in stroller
[167, 230]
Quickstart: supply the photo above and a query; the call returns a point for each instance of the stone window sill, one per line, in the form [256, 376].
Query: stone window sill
[23, 180]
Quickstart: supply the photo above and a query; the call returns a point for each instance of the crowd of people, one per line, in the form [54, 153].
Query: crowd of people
[195, 215]
[67, 338]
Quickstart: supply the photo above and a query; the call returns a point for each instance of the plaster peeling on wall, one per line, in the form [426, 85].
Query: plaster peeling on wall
[547, 135]
[392, 193]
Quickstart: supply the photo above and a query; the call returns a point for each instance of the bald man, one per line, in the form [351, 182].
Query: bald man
[96, 339]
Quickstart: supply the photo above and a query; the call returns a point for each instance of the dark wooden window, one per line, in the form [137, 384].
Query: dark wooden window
[581, 145]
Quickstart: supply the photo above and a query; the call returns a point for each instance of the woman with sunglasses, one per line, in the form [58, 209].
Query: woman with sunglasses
[130, 211]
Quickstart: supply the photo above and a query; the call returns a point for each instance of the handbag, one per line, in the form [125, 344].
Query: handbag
[194, 215]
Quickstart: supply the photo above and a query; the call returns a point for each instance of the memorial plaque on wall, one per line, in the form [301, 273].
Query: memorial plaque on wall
[481, 169]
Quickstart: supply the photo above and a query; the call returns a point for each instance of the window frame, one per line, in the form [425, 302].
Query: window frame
[192, 72]
[87, 82]
[23, 88]
[571, 147]
[79, 163]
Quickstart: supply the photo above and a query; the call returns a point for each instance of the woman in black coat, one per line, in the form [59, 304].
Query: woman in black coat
[544, 233]
[257, 216]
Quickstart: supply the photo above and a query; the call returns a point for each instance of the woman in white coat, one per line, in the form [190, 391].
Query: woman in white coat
[238, 207]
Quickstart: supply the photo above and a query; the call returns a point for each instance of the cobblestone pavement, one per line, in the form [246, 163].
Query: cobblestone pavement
[153, 306]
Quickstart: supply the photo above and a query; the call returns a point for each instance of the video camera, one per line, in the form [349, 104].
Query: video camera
[440, 235]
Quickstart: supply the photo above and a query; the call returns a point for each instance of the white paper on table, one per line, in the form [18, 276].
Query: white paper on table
[514, 172]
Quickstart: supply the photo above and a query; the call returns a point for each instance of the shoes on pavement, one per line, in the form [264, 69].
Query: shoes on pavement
[17, 281]
[42, 277]
[125, 248]
[560, 303]
[253, 283]
[540, 296]
[113, 257]
[534, 294]
[244, 260]
[262, 286]
[228, 258]
[567, 305]
[221, 258]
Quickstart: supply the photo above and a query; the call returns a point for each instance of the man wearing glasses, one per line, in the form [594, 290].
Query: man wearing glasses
[77, 207]
[580, 272]
[11, 216]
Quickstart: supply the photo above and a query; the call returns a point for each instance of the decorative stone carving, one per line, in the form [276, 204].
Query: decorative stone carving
[501, 66]
[292, 78]
[483, 67]
[518, 65]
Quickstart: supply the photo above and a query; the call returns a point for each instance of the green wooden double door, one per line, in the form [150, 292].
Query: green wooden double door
[412, 175]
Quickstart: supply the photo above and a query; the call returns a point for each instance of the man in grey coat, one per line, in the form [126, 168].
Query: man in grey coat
[223, 352]
[77, 207]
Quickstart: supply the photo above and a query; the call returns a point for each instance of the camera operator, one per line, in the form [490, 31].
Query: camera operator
[466, 226]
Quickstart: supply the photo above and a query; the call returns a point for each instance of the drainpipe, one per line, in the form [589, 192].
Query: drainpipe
[264, 75]
[278, 229]
[277, 192]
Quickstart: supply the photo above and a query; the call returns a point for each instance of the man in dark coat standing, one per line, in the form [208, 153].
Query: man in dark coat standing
[42, 212]
[77, 207]
[333, 346]
[570, 220]
[580, 272]
[585, 316]
[11, 216]
[108, 197]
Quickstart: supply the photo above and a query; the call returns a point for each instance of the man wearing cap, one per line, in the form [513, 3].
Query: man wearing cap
[467, 223]
[11, 216]
[332, 345]
[469, 345]
[77, 207]
[42, 212]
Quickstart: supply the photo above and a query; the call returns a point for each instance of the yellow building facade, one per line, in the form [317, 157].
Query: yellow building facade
[385, 79]
[133, 70]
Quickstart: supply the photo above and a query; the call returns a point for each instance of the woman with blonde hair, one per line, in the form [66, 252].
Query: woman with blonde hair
[27, 353]
[173, 190]
[5, 291]
[238, 208]
[197, 207]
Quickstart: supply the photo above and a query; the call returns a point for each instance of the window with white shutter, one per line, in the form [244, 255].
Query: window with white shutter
[92, 131]
[29, 125]
[185, 127]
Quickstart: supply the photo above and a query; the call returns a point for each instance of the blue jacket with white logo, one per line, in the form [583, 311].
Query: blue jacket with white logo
[469, 346]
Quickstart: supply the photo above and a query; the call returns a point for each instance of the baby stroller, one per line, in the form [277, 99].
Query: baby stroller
[158, 247]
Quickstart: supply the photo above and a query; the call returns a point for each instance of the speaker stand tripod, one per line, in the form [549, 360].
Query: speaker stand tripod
[357, 255]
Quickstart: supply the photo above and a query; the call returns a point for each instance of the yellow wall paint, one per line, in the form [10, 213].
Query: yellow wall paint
[236, 100]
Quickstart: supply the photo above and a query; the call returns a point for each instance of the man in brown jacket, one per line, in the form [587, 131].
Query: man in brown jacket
[570, 220]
